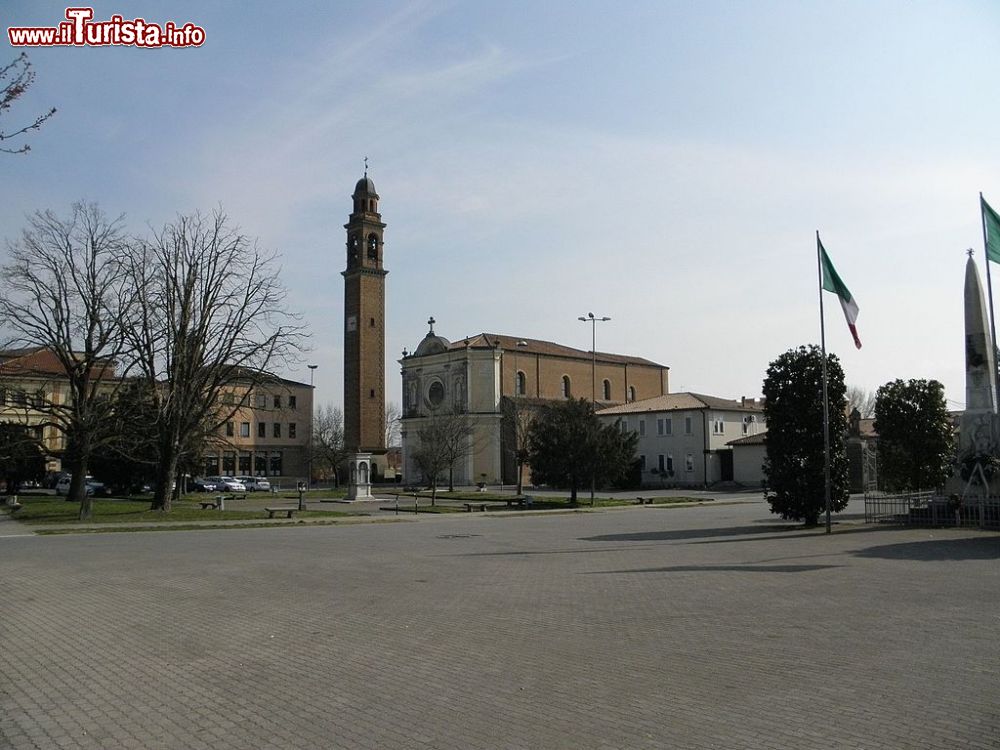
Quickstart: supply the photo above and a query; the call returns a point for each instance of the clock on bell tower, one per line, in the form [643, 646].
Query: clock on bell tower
[364, 324]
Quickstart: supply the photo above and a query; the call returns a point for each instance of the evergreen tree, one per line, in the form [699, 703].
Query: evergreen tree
[793, 408]
[568, 446]
[915, 439]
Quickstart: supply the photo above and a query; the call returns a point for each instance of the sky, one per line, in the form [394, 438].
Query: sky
[666, 164]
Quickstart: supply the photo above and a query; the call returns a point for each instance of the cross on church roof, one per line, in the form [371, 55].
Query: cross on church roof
[431, 322]
[366, 166]
[970, 252]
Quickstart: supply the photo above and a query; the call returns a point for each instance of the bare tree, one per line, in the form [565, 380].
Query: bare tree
[518, 416]
[441, 441]
[62, 294]
[210, 317]
[861, 399]
[15, 78]
[328, 448]
[392, 424]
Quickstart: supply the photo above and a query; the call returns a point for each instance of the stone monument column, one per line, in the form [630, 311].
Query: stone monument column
[978, 425]
[359, 469]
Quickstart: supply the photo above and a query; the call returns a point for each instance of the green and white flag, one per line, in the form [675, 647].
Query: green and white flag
[992, 223]
[833, 283]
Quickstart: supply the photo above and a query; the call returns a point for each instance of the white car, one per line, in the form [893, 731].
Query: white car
[255, 484]
[93, 486]
[227, 484]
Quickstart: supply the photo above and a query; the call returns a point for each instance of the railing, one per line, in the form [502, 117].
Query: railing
[930, 509]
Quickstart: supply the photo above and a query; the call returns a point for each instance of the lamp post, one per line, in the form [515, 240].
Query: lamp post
[312, 413]
[517, 418]
[593, 320]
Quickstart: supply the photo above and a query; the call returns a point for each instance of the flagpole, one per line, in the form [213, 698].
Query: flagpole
[989, 292]
[826, 405]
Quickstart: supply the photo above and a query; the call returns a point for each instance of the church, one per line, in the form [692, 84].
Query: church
[471, 378]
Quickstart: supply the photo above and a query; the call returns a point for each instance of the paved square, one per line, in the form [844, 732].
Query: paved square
[638, 628]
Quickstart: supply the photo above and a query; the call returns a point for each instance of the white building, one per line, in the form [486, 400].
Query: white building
[683, 437]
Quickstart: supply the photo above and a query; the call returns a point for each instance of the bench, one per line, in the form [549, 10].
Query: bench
[644, 500]
[469, 507]
[288, 510]
[206, 504]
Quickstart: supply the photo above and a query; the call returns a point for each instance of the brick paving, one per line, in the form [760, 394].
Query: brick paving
[705, 627]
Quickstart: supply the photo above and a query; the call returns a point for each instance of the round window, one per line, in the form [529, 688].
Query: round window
[435, 394]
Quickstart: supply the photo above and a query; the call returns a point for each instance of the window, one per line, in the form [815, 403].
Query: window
[245, 463]
[659, 426]
[607, 390]
[244, 429]
[19, 398]
[292, 402]
[276, 463]
[229, 398]
[520, 384]
[668, 426]
[261, 401]
[642, 463]
[659, 463]
[670, 464]
[371, 393]
[687, 426]
[230, 429]
[631, 393]
[211, 465]
[291, 429]
[718, 426]
[260, 464]
[372, 323]
[567, 392]
[262, 429]
[228, 464]
[277, 402]
[689, 463]
[277, 429]
[642, 428]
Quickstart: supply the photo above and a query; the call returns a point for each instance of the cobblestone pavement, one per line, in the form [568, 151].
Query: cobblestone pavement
[703, 627]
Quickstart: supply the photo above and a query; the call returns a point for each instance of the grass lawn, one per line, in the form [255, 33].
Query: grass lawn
[40, 510]
[452, 502]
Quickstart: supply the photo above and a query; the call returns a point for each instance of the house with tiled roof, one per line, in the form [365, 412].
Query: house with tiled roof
[476, 374]
[684, 438]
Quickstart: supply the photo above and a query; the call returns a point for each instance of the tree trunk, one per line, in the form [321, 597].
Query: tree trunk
[520, 472]
[572, 494]
[451, 479]
[164, 491]
[434, 490]
[78, 487]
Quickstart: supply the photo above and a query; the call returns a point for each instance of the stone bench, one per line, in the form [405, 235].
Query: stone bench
[206, 504]
[644, 501]
[288, 510]
[469, 507]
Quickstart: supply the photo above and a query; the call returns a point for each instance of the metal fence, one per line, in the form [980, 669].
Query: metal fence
[930, 509]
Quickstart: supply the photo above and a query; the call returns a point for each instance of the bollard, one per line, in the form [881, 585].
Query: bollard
[397, 505]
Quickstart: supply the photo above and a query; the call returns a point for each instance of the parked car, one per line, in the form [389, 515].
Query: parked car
[93, 487]
[202, 485]
[227, 484]
[255, 484]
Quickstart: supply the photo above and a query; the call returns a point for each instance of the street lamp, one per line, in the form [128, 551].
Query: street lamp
[593, 352]
[312, 412]
[593, 375]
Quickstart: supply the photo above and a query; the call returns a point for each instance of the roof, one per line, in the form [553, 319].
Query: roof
[39, 362]
[365, 185]
[685, 402]
[759, 439]
[548, 348]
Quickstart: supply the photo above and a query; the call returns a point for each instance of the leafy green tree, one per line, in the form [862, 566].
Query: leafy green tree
[21, 457]
[568, 445]
[915, 440]
[793, 408]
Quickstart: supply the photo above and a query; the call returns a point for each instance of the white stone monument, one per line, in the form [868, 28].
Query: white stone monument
[359, 483]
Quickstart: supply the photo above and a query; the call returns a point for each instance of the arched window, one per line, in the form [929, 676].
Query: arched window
[566, 390]
[371, 205]
[607, 390]
[372, 248]
[519, 384]
[631, 393]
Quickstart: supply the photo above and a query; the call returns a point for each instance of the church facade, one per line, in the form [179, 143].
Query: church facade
[471, 378]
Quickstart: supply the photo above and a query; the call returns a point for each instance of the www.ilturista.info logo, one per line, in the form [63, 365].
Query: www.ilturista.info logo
[78, 30]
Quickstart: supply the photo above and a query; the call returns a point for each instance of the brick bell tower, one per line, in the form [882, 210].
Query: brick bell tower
[364, 324]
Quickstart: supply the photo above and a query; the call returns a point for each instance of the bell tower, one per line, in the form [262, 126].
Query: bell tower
[364, 324]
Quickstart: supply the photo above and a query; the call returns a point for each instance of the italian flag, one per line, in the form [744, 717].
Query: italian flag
[833, 283]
